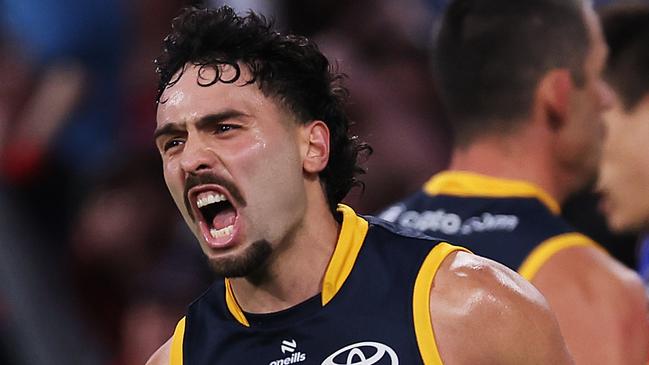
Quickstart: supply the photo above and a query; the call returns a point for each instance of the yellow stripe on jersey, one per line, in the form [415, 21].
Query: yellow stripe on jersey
[176, 352]
[421, 302]
[468, 184]
[233, 306]
[350, 241]
[548, 248]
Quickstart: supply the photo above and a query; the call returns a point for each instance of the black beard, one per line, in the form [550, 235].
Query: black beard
[248, 264]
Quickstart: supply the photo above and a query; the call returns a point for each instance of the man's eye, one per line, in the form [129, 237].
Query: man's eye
[223, 128]
[172, 143]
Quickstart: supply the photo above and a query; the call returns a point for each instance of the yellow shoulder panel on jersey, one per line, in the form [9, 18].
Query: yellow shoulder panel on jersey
[350, 241]
[421, 302]
[469, 184]
[176, 352]
[548, 248]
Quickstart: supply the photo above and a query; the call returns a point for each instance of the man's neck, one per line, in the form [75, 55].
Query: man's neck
[509, 157]
[296, 267]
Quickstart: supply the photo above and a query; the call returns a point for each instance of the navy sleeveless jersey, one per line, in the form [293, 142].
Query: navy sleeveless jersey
[512, 222]
[367, 310]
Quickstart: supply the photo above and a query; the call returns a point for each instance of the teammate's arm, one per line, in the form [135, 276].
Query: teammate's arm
[484, 313]
[602, 309]
[161, 357]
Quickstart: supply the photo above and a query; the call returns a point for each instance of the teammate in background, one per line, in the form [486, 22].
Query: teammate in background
[624, 173]
[521, 83]
[256, 154]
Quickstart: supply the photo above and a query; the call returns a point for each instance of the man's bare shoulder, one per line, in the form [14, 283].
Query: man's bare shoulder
[480, 302]
[590, 278]
[601, 305]
[589, 265]
[161, 356]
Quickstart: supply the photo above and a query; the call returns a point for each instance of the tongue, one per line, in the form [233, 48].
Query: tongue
[224, 218]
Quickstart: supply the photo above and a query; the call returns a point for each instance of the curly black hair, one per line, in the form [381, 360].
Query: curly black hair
[289, 68]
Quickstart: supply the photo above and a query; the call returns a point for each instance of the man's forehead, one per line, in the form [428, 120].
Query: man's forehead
[194, 94]
[196, 87]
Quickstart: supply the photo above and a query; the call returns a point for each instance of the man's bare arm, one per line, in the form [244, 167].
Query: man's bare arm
[600, 304]
[485, 313]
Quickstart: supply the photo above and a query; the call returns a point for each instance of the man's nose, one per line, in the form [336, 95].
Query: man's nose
[196, 155]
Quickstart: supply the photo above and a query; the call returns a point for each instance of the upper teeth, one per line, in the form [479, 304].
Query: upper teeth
[209, 198]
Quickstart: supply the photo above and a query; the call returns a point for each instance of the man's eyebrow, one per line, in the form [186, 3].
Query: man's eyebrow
[204, 122]
[169, 128]
[207, 120]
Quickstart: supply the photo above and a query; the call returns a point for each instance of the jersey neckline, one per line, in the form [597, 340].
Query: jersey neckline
[350, 240]
[470, 184]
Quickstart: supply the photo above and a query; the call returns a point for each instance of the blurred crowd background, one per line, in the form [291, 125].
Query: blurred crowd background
[96, 265]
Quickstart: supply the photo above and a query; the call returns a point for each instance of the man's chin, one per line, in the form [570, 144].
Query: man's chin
[243, 264]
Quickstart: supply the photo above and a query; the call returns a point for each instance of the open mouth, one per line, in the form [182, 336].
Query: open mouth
[217, 216]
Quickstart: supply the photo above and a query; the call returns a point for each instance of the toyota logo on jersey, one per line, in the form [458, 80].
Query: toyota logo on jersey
[363, 353]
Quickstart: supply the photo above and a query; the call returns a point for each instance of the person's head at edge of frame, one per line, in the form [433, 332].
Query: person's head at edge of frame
[506, 68]
[624, 175]
[253, 134]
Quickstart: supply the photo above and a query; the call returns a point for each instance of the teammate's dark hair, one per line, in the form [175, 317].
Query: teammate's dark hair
[289, 68]
[626, 27]
[490, 55]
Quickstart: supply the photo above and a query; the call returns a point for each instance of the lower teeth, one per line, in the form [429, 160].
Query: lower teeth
[218, 233]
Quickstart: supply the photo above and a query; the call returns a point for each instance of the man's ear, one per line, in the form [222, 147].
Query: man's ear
[553, 97]
[316, 147]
